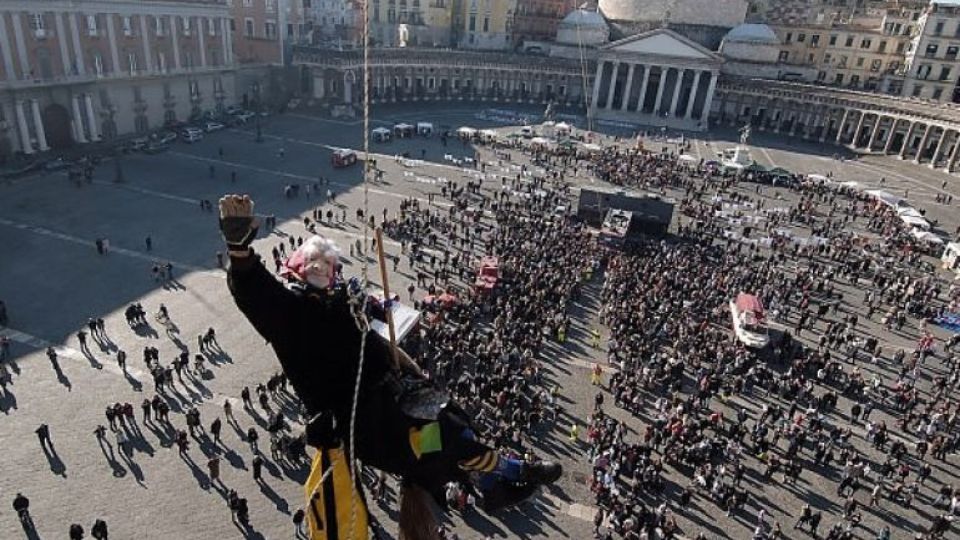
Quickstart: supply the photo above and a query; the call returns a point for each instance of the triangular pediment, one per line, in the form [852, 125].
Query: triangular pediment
[662, 42]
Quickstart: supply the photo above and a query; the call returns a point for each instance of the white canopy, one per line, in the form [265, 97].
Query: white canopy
[489, 133]
[688, 157]
[851, 184]
[926, 236]
[886, 198]
[540, 140]
[590, 147]
[909, 211]
[563, 126]
[817, 178]
[466, 131]
[381, 131]
[916, 222]
[424, 125]
[403, 126]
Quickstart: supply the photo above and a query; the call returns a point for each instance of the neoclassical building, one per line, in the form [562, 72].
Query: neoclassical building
[922, 131]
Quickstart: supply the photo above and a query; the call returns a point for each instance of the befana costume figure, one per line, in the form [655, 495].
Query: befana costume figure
[404, 425]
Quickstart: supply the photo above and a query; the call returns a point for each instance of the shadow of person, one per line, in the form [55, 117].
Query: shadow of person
[8, 401]
[29, 529]
[57, 466]
[275, 498]
[61, 376]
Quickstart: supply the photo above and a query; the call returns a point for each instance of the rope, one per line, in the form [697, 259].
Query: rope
[583, 77]
[362, 322]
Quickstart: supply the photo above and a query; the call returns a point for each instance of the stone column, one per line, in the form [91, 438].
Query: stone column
[595, 100]
[843, 123]
[38, 126]
[643, 87]
[203, 46]
[5, 49]
[923, 143]
[78, 121]
[779, 122]
[224, 27]
[25, 145]
[794, 123]
[692, 100]
[175, 41]
[906, 141]
[77, 50]
[62, 38]
[91, 118]
[890, 135]
[145, 38]
[677, 87]
[856, 131]
[21, 47]
[613, 85]
[659, 101]
[874, 133]
[708, 99]
[936, 153]
[953, 154]
[114, 54]
[626, 93]
[809, 123]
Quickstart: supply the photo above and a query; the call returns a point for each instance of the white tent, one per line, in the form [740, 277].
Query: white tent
[951, 256]
[909, 211]
[425, 129]
[562, 128]
[540, 140]
[926, 236]
[466, 131]
[818, 178]
[916, 222]
[688, 157]
[886, 198]
[381, 134]
[590, 147]
[851, 184]
[488, 134]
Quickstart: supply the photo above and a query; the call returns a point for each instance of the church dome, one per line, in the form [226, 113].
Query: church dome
[584, 18]
[752, 33]
[583, 26]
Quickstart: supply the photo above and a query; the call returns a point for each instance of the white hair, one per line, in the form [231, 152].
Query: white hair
[318, 248]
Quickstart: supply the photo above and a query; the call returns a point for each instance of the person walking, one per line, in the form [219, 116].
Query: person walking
[215, 428]
[298, 518]
[252, 437]
[99, 530]
[258, 468]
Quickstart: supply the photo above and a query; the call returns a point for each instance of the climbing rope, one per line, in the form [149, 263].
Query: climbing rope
[583, 76]
[363, 324]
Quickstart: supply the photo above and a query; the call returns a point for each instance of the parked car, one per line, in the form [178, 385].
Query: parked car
[211, 126]
[138, 144]
[243, 117]
[56, 164]
[155, 148]
[191, 135]
[166, 137]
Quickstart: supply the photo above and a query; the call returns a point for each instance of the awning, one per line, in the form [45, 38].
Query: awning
[916, 222]
[779, 171]
[755, 167]
[886, 198]
[381, 131]
[926, 236]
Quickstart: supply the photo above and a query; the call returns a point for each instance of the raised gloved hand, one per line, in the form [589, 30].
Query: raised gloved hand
[237, 222]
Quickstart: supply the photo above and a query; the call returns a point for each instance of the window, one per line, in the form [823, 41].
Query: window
[473, 23]
[875, 65]
[821, 75]
[859, 62]
[97, 61]
[784, 56]
[854, 80]
[132, 62]
[486, 24]
[92, 25]
[270, 29]
[827, 57]
[127, 25]
[882, 47]
[900, 47]
[931, 50]
[838, 78]
[290, 30]
[810, 58]
[269, 6]
[945, 73]
[833, 40]
[186, 25]
[788, 38]
[923, 71]
[211, 27]
[248, 27]
[938, 28]
[865, 43]
[849, 42]
[233, 25]
[937, 93]
[842, 62]
[917, 90]
[159, 24]
[801, 38]
[951, 52]
[815, 40]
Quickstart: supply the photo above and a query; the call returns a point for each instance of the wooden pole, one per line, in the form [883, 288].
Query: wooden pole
[417, 521]
[378, 235]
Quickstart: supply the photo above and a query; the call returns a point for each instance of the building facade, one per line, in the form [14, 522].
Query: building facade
[932, 66]
[484, 24]
[78, 72]
[537, 20]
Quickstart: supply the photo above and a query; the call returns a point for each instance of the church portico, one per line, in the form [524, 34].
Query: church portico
[657, 78]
